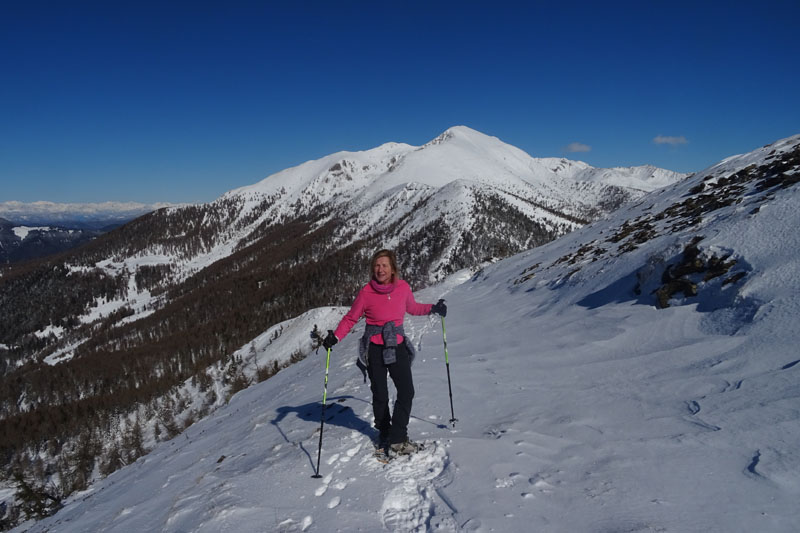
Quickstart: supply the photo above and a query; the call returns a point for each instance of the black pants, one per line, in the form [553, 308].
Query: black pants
[394, 427]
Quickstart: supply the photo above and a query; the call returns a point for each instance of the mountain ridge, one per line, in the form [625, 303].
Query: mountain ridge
[392, 160]
[353, 183]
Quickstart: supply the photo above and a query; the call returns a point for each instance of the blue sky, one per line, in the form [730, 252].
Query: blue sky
[182, 101]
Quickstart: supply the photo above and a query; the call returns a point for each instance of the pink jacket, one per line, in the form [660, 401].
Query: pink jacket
[382, 308]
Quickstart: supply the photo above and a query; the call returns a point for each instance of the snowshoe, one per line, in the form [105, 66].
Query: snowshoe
[405, 448]
[381, 454]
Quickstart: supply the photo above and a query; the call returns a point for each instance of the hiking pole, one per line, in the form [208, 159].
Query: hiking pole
[453, 418]
[322, 416]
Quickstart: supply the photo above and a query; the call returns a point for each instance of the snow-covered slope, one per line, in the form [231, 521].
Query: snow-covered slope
[581, 405]
[644, 178]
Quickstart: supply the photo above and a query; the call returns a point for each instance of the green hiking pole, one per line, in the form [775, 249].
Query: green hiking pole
[453, 418]
[322, 416]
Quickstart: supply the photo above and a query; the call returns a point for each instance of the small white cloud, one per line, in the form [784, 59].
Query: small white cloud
[578, 147]
[674, 141]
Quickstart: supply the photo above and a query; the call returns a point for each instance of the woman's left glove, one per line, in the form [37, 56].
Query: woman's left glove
[439, 308]
[330, 340]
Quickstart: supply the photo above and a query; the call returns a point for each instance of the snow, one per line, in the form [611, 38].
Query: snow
[62, 354]
[460, 155]
[645, 178]
[101, 309]
[50, 330]
[23, 231]
[580, 406]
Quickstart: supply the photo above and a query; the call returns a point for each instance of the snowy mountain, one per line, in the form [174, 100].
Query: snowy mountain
[638, 374]
[454, 181]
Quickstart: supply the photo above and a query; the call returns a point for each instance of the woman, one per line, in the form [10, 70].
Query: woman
[384, 347]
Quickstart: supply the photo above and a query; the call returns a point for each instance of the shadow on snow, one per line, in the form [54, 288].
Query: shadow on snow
[336, 414]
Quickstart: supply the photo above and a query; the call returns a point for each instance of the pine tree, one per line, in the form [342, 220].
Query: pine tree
[36, 501]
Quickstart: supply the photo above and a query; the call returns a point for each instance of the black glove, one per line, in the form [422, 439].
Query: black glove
[439, 308]
[330, 340]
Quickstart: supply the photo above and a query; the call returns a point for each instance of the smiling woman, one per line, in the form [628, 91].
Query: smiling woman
[384, 267]
[385, 349]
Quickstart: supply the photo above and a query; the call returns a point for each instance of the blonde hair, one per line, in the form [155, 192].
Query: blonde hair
[392, 262]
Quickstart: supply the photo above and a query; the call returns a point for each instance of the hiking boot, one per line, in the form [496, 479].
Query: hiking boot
[382, 454]
[405, 448]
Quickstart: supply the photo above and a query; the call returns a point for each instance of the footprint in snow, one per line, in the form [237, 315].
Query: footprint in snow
[324, 487]
[332, 459]
[352, 451]
[410, 504]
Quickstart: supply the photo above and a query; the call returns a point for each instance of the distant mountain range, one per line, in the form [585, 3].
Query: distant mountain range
[37, 229]
[96, 216]
[20, 243]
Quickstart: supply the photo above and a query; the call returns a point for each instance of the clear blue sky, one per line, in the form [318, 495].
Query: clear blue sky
[182, 101]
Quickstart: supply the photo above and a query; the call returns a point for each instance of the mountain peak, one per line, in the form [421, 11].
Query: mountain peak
[459, 132]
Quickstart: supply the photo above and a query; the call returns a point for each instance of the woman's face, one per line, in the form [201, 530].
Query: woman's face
[383, 270]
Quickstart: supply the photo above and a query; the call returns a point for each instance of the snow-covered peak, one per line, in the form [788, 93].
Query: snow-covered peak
[371, 191]
[645, 177]
[459, 153]
[334, 170]
[462, 134]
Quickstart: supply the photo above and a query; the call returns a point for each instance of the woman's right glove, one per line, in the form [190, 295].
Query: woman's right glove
[439, 308]
[330, 340]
